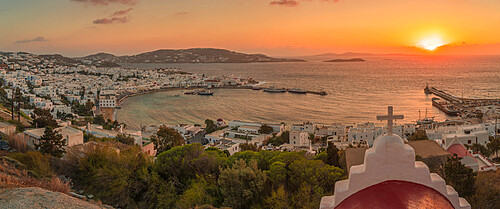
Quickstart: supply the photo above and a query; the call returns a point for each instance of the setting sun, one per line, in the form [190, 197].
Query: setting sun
[431, 43]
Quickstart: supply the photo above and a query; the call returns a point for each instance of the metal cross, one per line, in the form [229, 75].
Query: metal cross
[389, 118]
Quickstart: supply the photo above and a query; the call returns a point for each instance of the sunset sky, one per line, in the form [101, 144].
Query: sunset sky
[273, 27]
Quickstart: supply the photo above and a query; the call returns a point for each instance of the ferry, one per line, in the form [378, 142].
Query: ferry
[205, 93]
[272, 89]
[445, 106]
[297, 91]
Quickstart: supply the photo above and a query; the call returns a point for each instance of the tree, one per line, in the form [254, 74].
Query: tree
[42, 118]
[210, 126]
[183, 164]
[166, 138]
[419, 135]
[242, 185]
[248, 146]
[332, 155]
[51, 142]
[459, 177]
[265, 129]
[99, 120]
[125, 139]
[277, 200]
[311, 137]
[480, 148]
[494, 145]
[487, 192]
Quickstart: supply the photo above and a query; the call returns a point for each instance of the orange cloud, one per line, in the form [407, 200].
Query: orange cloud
[107, 2]
[37, 39]
[288, 3]
[121, 12]
[111, 20]
[292, 3]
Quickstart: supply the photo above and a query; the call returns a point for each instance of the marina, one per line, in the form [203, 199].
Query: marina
[457, 106]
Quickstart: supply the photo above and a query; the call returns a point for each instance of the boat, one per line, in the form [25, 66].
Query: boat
[297, 91]
[205, 93]
[272, 89]
[445, 106]
[177, 95]
[322, 93]
[426, 120]
[189, 92]
[256, 88]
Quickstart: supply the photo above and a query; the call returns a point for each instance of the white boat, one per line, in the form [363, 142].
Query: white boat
[273, 89]
[297, 91]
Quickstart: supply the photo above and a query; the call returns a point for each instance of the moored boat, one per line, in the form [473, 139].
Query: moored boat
[297, 91]
[205, 93]
[445, 106]
[272, 89]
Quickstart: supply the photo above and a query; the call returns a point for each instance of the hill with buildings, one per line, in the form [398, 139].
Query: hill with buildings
[195, 55]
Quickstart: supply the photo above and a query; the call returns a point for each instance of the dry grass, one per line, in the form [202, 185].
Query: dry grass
[17, 142]
[12, 177]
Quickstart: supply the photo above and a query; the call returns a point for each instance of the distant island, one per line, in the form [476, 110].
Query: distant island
[346, 60]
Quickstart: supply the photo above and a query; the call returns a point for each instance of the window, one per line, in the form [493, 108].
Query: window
[468, 141]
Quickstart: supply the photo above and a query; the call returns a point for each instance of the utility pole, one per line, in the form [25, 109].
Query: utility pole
[496, 130]
[18, 105]
[12, 112]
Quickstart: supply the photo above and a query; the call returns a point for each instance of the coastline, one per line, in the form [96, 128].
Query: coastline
[122, 98]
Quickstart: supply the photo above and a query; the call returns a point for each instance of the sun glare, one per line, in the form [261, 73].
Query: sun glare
[430, 43]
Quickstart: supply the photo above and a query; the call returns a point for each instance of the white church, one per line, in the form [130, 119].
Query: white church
[391, 178]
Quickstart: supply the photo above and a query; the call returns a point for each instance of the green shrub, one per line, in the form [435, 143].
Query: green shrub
[35, 161]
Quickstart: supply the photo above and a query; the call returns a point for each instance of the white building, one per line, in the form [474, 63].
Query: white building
[71, 135]
[107, 99]
[304, 127]
[466, 134]
[299, 139]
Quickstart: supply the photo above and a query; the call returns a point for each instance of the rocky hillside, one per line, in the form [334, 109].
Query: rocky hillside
[33, 197]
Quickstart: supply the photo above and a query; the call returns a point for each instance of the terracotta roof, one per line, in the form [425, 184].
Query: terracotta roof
[428, 149]
[423, 148]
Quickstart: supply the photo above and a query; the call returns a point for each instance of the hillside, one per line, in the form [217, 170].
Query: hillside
[34, 197]
[195, 55]
[60, 60]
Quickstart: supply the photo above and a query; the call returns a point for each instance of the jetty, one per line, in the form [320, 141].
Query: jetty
[455, 99]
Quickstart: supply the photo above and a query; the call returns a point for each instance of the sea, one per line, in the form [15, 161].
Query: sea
[357, 91]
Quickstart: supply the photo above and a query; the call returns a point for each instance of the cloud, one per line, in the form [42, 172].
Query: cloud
[37, 39]
[181, 13]
[292, 3]
[111, 20]
[121, 12]
[107, 2]
[288, 3]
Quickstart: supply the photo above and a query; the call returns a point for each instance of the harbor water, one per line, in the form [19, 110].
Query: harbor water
[357, 91]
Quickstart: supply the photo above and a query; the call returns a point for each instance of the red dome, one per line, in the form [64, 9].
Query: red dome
[220, 119]
[395, 194]
[459, 150]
